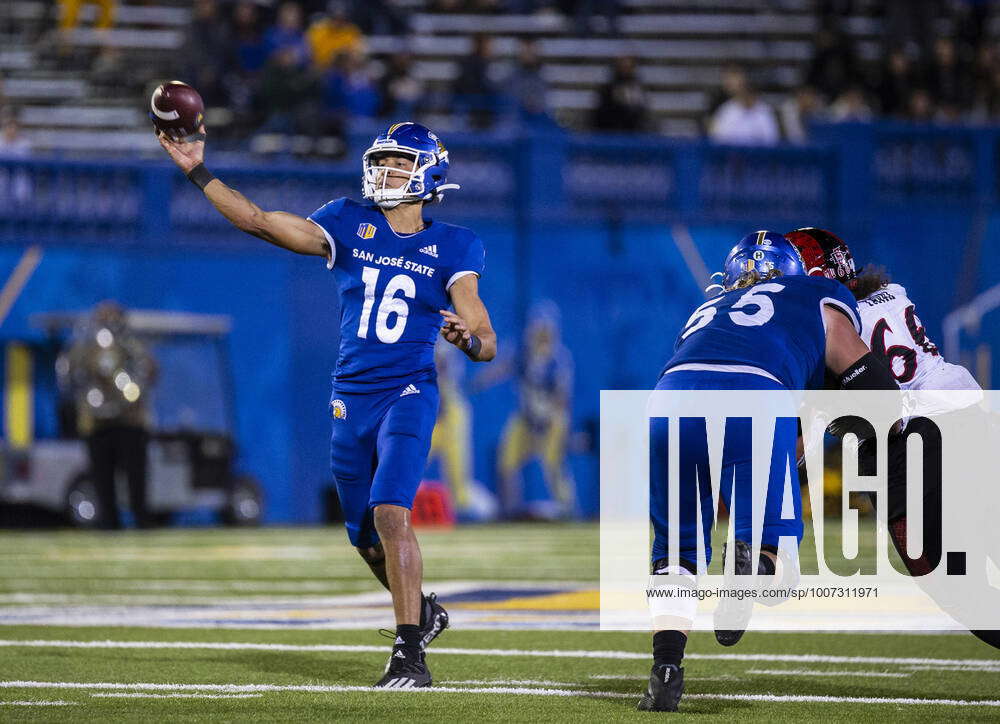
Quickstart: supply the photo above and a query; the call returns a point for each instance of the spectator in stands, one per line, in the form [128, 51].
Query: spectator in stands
[832, 10]
[13, 143]
[921, 106]
[982, 78]
[897, 83]
[474, 93]
[910, 24]
[331, 34]
[798, 112]
[834, 65]
[949, 81]
[986, 84]
[69, 13]
[399, 89]
[528, 88]
[289, 92]
[852, 106]
[591, 15]
[349, 86]
[251, 50]
[972, 22]
[378, 17]
[287, 32]
[208, 52]
[745, 119]
[733, 80]
[622, 104]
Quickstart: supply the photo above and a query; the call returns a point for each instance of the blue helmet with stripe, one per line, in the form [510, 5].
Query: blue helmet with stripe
[759, 256]
[425, 180]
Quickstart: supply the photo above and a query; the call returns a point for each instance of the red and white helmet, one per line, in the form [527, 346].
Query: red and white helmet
[825, 254]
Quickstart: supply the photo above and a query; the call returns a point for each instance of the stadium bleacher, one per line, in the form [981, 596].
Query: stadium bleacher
[681, 48]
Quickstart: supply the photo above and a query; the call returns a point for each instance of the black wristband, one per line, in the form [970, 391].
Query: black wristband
[472, 348]
[200, 176]
[868, 373]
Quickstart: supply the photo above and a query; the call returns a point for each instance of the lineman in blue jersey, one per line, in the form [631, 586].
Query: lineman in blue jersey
[771, 328]
[397, 273]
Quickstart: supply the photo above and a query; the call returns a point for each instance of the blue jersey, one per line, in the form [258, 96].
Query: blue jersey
[391, 288]
[776, 326]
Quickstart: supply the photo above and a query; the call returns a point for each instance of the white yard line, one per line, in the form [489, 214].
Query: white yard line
[30, 702]
[975, 664]
[510, 682]
[315, 689]
[620, 677]
[173, 695]
[303, 688]
[787, 699]
[645, 677]
[959, 667]
[821, 672]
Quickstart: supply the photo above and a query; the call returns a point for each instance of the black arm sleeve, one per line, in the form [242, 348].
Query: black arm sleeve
[868, 373]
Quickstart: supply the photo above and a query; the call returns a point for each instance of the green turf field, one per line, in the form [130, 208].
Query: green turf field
[280, 624]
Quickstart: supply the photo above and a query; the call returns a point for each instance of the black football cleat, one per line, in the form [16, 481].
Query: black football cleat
[436, 620]
[666, 684]
[405, 671]
[733, 613]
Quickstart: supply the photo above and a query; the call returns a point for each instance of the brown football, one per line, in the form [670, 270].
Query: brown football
[176, 109]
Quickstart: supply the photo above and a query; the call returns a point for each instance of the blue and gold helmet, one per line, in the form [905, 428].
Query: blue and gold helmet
[426, 180]
[765, 252]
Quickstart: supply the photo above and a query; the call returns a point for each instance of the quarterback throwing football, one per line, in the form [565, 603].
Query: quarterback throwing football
[397, 272]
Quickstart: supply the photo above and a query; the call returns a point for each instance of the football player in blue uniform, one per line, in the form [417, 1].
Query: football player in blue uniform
[397, 272]
[771, 328]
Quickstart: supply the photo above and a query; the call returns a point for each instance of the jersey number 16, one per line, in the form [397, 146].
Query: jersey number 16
[390, 304]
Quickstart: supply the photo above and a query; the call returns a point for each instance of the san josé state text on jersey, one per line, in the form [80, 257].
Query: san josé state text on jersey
[776, 326]
[392, 287]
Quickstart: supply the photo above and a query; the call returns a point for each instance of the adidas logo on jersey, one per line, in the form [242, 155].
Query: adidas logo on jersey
[410, 390]
[399, 654]
[430, 250]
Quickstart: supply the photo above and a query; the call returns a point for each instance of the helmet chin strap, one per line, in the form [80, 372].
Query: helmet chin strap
[393, 203]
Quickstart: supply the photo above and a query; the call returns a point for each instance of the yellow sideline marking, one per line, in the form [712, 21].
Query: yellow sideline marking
[566, 601]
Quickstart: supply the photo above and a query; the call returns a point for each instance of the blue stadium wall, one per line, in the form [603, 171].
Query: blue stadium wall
[588, 224]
